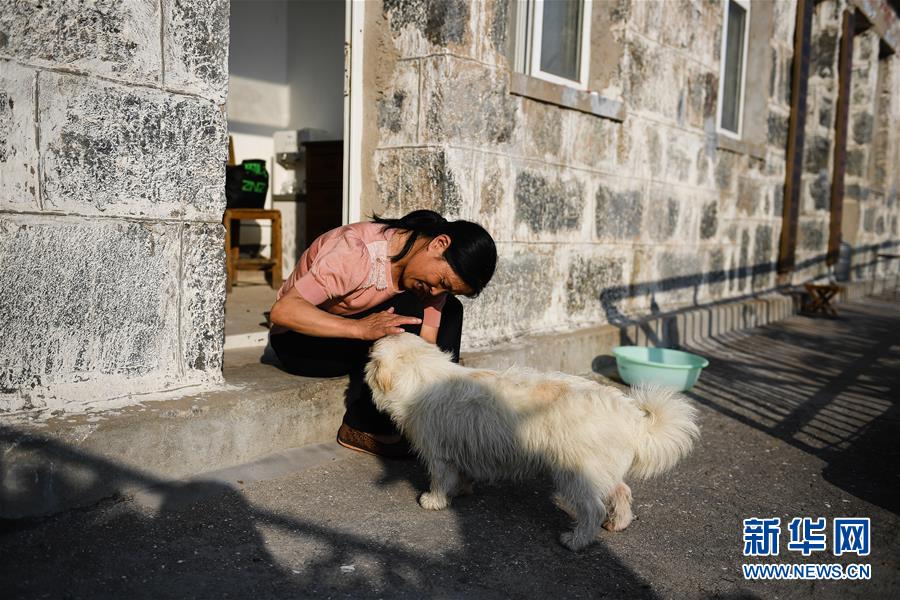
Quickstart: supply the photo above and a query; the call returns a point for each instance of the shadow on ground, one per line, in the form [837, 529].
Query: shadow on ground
[826, 386]
[208, 539]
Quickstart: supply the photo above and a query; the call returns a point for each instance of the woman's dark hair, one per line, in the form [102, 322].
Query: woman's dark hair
[471, 254]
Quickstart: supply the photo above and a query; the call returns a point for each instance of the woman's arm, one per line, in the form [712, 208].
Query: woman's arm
[295, 313]
[429, 334]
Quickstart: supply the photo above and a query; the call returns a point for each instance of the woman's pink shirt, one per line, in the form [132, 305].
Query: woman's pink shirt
[348, 270]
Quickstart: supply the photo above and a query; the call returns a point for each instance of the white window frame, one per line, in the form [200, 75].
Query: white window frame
[745, 4]
[528, 34]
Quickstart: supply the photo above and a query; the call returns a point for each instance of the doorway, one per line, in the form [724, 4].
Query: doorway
[286, 106]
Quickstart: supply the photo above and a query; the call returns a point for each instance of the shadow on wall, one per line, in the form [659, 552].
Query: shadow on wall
[204, 539]
[669, 336]
[827, 387]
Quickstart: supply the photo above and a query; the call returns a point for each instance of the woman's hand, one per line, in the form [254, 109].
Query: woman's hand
[377, 325]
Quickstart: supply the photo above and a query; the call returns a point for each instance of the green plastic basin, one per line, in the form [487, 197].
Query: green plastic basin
[659, 366]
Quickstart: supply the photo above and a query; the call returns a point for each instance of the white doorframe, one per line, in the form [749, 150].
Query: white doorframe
[353, 108]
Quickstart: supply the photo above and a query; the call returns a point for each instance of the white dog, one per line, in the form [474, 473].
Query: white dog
[487, 425]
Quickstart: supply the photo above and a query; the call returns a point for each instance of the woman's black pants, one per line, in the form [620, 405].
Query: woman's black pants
[332, 357]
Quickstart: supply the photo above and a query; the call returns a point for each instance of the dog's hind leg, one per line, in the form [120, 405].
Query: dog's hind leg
[445, 480]
[619, 503]
[585, 498]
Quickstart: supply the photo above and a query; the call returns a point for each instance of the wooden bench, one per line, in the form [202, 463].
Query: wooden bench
[235, 263]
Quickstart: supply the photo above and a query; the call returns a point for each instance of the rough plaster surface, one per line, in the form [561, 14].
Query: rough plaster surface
[203, 297]
[69, 317]
[196, 47]
[129, 151]
[19, 187]
[112, 149]
[113, 38]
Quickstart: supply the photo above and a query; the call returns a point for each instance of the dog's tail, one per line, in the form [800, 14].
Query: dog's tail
[667, 431]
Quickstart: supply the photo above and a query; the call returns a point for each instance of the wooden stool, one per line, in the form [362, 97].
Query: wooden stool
[820, 297]
[235, 263]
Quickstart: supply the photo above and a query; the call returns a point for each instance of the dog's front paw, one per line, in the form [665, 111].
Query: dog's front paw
[572, 541]
[432, 501]
[617, 524]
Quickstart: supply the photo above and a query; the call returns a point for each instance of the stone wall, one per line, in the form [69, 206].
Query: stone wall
[597, 218]
[112, 151]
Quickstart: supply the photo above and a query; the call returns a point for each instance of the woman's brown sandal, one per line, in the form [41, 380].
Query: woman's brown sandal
[354, 439]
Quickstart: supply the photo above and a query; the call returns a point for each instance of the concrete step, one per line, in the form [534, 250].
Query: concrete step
[264, 410]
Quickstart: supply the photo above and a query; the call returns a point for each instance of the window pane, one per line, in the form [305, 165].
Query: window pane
[560, 38]
[734, 60]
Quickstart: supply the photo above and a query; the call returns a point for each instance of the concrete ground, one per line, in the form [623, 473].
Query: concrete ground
[246, 304]
[798, 418]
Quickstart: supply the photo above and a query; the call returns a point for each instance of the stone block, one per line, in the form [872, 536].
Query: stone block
[655, 79]
[763, 264]
[709, 220]
[679, 277]
[750, 196]
[115, 150]
[726, 163]
[679, 149]
[387, 169]
[869, 219]
[618, 214]
[863, 124]
[823, 49]
[593, 282]
[493, 188]
[70, 315]
[397, 107]
[818, 149]
[424, 27]
[856, 162]
[202, 299]
[465, 102]
[433, 178]
[702, 161]
[856, 192]
[741, 269]
[861, 87]
[825, 115]
[662, 216]
[820, 191]
[703, 29]
[778, 199]
[784, 18]
[518, 298]
[715, 274]
[119, 39]
[548, 203]
[196, 47]
[777, 130]
[812, 234]
[703, 89]
[494, 33]
[541, 131]
[19, 187]
[595, 141]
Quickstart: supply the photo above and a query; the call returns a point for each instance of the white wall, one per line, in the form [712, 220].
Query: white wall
[286, 71]
[316, 65]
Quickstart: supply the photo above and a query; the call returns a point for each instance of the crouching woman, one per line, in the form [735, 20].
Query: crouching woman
[363, 281]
